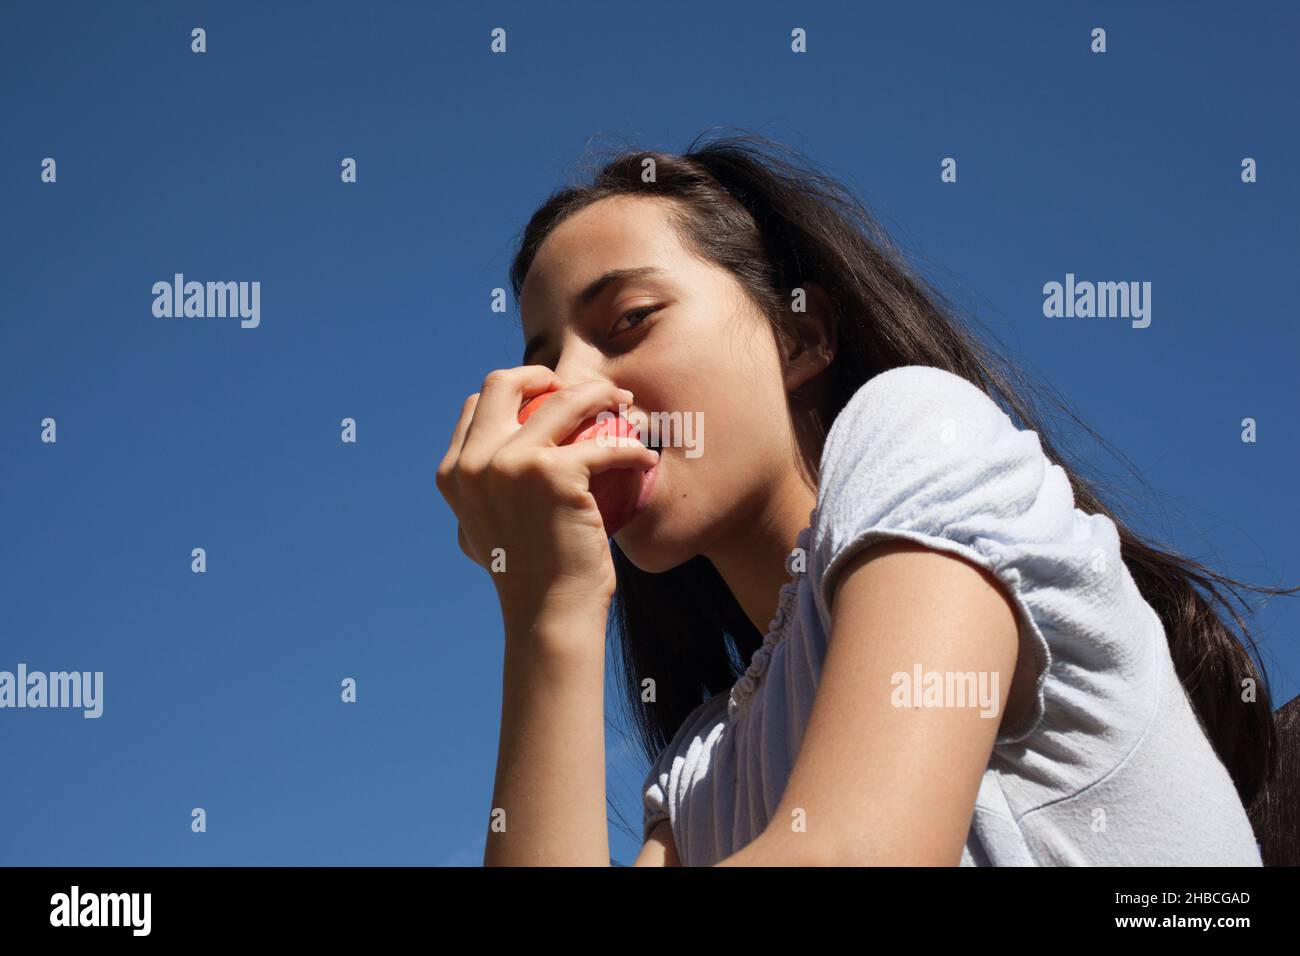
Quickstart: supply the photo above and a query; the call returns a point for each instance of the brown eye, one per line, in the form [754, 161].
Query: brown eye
[640, 314]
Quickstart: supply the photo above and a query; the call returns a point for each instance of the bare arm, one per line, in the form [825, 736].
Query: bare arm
[874, 784]
[884, 785]
[548, 803]
[522, 498]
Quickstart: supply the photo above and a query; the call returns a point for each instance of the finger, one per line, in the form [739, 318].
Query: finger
[462, 425]
[596, 457]
[497, 416]
[458, 435]
[561, 415]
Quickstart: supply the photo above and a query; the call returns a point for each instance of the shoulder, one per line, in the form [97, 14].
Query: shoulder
[918, 382]
[923, 449]
[919, 410]
[925, 456]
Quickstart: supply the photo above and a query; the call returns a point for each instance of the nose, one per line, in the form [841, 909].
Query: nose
[579, 363]
[575, 367]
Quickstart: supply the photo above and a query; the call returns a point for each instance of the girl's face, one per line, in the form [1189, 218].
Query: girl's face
[613, 294]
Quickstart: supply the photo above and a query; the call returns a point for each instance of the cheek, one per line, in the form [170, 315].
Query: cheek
[727, 385]
[733, 430]
[725, 458]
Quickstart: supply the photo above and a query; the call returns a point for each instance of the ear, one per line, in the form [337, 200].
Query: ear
[809, 336]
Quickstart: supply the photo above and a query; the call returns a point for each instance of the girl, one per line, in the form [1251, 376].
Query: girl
[952, 651]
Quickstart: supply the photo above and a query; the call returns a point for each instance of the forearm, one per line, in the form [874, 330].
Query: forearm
[548, 801]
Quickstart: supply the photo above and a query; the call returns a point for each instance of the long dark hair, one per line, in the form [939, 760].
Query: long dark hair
[766, 214]
[1275, 814]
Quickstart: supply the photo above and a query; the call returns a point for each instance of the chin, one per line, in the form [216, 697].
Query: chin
[650, 550]
[652, 560]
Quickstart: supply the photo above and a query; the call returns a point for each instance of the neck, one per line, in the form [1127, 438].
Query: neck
[752, 561]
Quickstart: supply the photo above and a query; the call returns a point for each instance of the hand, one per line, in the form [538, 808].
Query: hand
[517, 489]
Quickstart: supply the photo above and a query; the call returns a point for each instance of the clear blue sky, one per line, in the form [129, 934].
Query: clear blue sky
[328, 560]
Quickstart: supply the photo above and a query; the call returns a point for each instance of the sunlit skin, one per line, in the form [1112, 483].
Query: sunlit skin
[876, 785]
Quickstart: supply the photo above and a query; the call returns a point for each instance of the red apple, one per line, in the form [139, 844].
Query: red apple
[616, 491]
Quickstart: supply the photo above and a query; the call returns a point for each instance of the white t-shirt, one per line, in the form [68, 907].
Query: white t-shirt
[1111, 766]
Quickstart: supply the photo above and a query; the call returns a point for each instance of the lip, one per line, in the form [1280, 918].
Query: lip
[649, 479]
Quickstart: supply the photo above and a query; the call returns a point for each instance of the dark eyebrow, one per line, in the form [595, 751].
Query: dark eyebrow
[587, 295]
